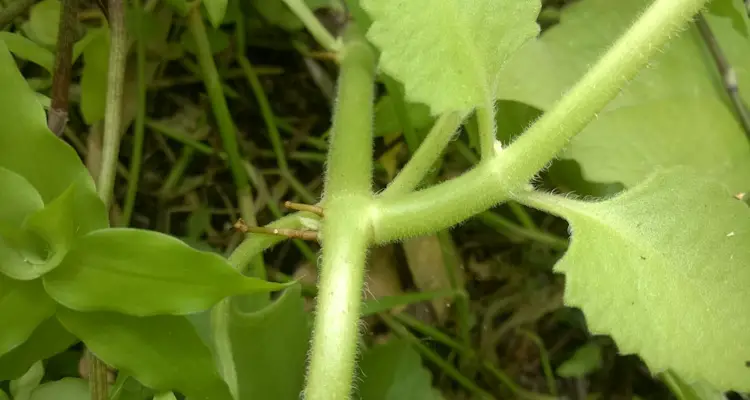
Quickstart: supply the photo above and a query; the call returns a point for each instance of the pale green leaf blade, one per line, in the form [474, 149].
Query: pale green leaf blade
[25, 139]
[48, 339]
[3, 395]
[64, 389]
[587, 359]
[662, 268]
[44, 19]
[18, 198]
[455, 50]
[23, 307]
[162, 352]
[216, 10]
[394, 371]
[673, 113]
[27, 49]
[94, 76]
[735, 11]
[141, 273]
[22, 387]
[270, 348]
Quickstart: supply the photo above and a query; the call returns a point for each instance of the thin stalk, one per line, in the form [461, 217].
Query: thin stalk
[522, 215]
[140, 119]
[727, 72]
[345, 229]
[546, 365]
[487, 127]
[313, 25]
[227, 129]
[176, 173]
[428, 152]
[497, 221]
[57, 116]
[113, 112]
[493, 181]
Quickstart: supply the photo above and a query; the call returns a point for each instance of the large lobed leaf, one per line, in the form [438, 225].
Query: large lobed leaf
[144, 273]
[663, 268]
[394, 371]
[674, 113]
[455, 48]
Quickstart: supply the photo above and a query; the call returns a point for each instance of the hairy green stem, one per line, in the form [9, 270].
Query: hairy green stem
[140, 119]
[345, 228]
[493, 180]
[313, 25]
[486, 126]
[426, 155]
[113, 112]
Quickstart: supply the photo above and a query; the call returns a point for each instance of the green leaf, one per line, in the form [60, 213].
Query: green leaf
[48, 339]
[662, 268]
[162, 352]
[22, 387]
[143, 273]
[64, 389]
[674, 112]
[270, 348]
[394, 371]
[3, 395]
[387, 122]
[456, 71]
[735, 10]
[696, 391]
[25, 139]
[587, 359]
[76, 212]
[44, 19]
[23, 307]
[18, 198]
[28, 50]
[94, 76]
[215, 10]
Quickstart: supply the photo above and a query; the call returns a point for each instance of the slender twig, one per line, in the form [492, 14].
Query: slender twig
[140, 119]
[544, 357]
[304, 207]
[313, 25]
[290, 233]
[13, 10]
[57, 116]
[727, 72]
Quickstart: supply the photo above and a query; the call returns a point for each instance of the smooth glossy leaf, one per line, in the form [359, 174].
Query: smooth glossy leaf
[215, 10]
[144, 273]
[270, 348]
[48, 339]
[25, 139]
[23, 307]
[394, 371]
[387, 122]
[22, 387]
[456, 71]
[162, 352]
[587, 359]
[64, 389]
[44, 19]
[76, 212]
[28, 50]
[18, 198]
[662, 268]
[673, 113]
[94, 76]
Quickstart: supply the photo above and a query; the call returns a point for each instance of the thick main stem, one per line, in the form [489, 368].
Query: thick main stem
[491, 182]
[345, 228]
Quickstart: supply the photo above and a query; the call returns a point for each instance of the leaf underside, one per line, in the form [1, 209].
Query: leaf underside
[674, 113]
[456, 48]
[662, 268]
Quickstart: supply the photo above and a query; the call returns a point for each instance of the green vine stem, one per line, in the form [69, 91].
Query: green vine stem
[426, 155]
[494, 180]
[487, 128]
[313, 25]
[345, 228]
